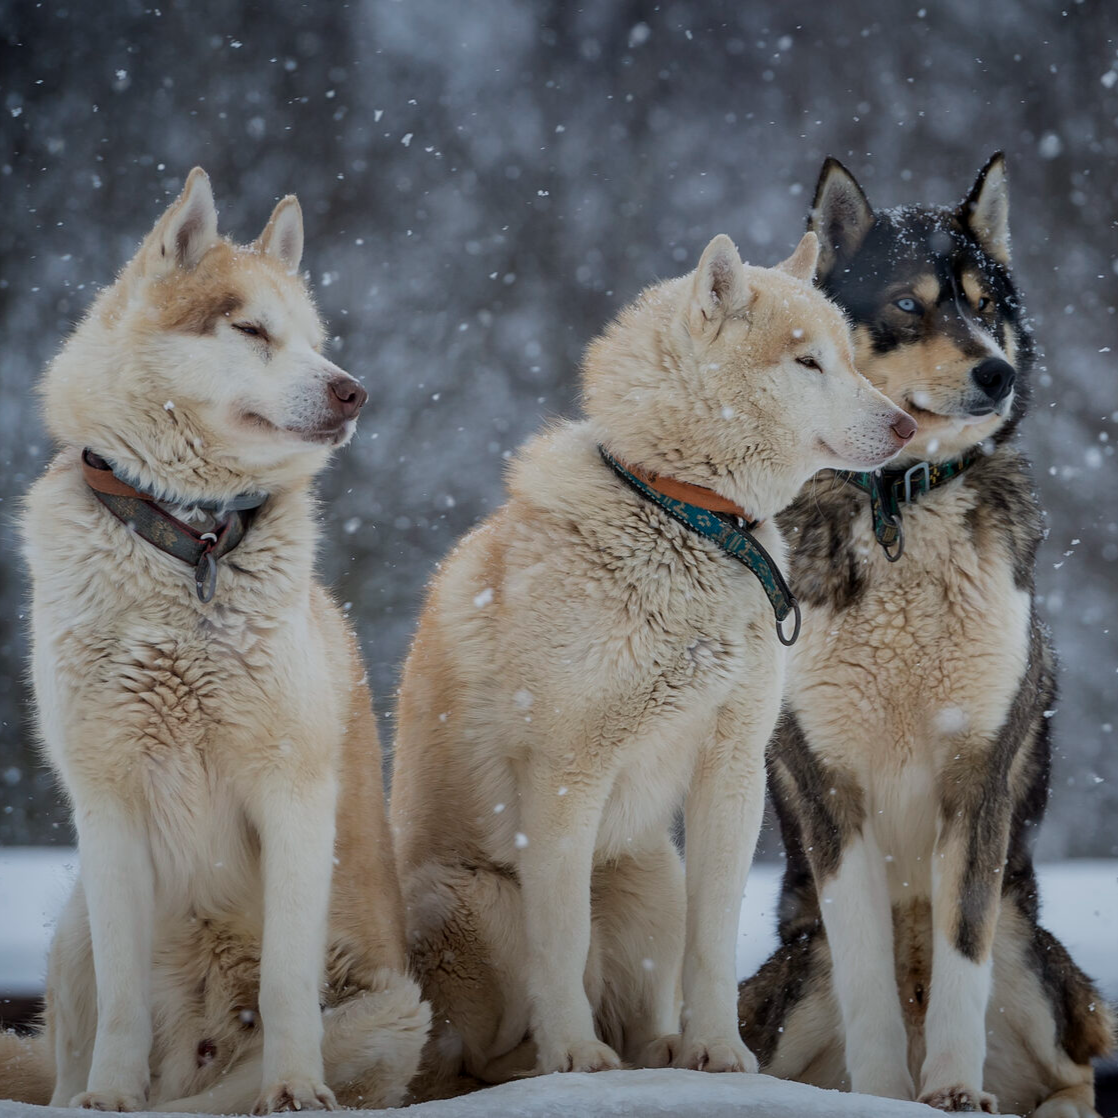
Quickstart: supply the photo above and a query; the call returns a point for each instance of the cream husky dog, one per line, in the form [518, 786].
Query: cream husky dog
[221, 755]
[585, 661]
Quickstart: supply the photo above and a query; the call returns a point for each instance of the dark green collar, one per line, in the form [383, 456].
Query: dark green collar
[734, 540]
[143, 515]
[889, 489]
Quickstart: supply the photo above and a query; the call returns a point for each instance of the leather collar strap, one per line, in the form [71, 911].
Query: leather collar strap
[889, 489]
[735, 541]
[689, 494]
[140, 512]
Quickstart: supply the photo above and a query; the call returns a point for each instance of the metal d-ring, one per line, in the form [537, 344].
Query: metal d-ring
[795, 632]
[924, 468]
[894, 522]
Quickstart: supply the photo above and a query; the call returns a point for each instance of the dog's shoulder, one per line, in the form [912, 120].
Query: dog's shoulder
[1006, 513]
[828, 558]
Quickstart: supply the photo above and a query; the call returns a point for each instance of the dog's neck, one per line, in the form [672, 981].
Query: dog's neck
[688, 493]
[178, 469]
[198, 511]
[755, 491]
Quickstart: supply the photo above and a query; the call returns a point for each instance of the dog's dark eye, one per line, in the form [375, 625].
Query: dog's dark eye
[908, 305]
[249, 328]
[809, 363]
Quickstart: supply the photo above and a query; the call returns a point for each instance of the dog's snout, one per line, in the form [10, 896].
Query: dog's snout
[904, 426]
[347, 397]
[995, 377]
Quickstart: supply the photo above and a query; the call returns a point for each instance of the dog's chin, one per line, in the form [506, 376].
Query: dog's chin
[837, 460]
[952, 431]
[330, 435]
[326, 436]
[959, 416]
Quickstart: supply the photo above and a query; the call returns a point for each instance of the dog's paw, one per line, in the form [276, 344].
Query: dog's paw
[118, 1101]
[959, 1097]
[660, 1053]
[295, 1094]
[579, 1055]
[715, 1054]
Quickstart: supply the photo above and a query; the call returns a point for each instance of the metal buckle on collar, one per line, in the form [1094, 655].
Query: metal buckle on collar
[920, 467]
[205, 572]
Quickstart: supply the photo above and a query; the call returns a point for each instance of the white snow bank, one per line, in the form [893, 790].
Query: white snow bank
[641, 1094]
[1079, 906]
[34, 884]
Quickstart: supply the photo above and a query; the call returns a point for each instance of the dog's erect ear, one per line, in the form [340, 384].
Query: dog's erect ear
[801, 263]
[840, 216]
[985, 210]
[719, 285]
[283, 235]
[185, 231]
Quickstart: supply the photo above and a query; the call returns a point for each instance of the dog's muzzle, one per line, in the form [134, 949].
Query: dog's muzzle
[995, 377]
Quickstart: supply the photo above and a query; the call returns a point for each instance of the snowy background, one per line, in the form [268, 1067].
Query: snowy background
[484, 184]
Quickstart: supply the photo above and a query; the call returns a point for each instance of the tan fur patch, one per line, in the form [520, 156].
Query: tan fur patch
[926, 289]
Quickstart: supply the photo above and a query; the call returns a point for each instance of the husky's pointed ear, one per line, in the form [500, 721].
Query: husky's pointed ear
[719, 285]
[283, 235]
[801, 264]
[985, 211]
[185, 231]
[840, 216]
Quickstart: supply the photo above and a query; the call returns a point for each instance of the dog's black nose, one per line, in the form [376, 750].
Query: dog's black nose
[995, 377]
[347, 397]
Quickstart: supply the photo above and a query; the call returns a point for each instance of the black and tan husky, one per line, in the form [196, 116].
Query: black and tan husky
[911, 770]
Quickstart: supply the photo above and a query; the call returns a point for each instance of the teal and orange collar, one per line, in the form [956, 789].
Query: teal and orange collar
[890, 489]
[710, 519]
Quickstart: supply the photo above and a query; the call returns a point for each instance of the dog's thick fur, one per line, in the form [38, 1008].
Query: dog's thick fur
[222, 759]
[911, 769]
[584, 662]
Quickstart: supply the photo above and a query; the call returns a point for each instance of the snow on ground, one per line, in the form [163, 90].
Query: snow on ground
[642, 1094]
[1080, 906]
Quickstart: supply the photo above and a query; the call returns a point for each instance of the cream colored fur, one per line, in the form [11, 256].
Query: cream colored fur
[584, 664]
[222, 759]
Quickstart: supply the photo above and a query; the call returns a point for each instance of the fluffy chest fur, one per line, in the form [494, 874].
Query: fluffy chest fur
[169, 703]
[581, 613]
[904, 668]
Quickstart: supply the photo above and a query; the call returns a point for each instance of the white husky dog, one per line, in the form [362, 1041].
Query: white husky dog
[204, 704]
[585, 662]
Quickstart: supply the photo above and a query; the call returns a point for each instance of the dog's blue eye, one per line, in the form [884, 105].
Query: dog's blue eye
[909, 306]
[983, 303]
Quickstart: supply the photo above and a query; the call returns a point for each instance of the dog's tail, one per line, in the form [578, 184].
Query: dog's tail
[26, 1068]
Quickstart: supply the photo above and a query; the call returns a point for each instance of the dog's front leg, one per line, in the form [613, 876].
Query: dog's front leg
[838, 842]
[295, 820]
[967, 873]
[858, 918]
[119, 885]
[560, 815]
[723, 816]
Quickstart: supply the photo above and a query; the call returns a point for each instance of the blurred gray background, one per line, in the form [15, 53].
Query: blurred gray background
[485, 183]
